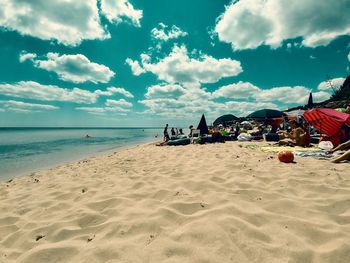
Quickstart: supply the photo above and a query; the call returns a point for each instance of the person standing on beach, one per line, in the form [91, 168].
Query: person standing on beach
[166, 134]
[191, 131]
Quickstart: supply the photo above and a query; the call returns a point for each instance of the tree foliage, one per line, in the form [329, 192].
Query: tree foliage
[343, 93]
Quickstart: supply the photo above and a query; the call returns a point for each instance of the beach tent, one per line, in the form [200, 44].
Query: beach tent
[202, 126]
[225, 119]
[310, 102]
[265, 114]
[327, 121]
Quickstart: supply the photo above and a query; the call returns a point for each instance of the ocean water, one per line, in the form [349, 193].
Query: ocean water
[26, 150]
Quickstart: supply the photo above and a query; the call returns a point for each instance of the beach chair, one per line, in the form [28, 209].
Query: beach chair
[195, 136]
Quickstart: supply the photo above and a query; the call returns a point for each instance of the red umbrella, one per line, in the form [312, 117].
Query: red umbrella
[288, 118]
[327, 121]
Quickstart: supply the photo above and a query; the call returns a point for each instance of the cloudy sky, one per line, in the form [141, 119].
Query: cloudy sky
[147, 62]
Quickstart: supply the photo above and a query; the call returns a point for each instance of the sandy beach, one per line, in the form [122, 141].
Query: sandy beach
[195, 203]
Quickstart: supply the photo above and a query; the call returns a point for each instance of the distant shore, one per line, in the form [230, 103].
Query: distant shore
[196, 203]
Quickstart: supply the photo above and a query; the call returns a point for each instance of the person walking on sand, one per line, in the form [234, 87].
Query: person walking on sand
[191, 131]
[166, 134]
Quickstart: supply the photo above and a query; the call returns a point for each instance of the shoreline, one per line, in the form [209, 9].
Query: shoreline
[99, 153]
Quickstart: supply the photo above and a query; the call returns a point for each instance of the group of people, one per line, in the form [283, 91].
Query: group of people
[287, 132]
[292, 133]
[174, 132]
[295, 133]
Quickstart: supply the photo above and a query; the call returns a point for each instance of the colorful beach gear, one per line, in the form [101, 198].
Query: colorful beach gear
[327, 121]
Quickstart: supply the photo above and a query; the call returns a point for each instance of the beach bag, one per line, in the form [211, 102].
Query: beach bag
[325, 145]
[244, 137]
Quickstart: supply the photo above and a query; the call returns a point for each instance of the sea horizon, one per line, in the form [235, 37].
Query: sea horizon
[77, 127]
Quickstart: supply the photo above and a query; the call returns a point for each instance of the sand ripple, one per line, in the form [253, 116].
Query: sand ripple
[210, 203]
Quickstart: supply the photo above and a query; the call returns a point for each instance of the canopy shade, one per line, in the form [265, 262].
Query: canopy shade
[327, 121]
[224, 119]
[265, 114]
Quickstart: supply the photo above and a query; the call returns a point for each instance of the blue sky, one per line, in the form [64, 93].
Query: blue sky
[147, 62]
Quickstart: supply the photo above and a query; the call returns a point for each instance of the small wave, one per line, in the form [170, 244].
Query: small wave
[10, 151]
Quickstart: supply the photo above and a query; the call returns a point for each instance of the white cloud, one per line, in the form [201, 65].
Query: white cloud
[291, 95]
[24, 56]
[68, 22]
[19, 106]
[349, 56]
[165, 91]
[92, 110]
[113, 90]
[136, 69]
[179, 67]
[180, 108]
[37, 91]
[287, 95]
[332, 83]
[118, 103]
[118, 10]
[163, 104]
[320, 96]
[176, 101]
[243, 108]
[115, 106]
[165, 33]
[251, 23]
[74, 68]
[237, 91]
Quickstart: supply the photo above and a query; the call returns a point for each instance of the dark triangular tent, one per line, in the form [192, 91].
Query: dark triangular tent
[310, 102]
[202, 126]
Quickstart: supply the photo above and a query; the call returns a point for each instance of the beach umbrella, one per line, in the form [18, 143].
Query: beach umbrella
[310, 102]
[327, 121]
[265, 114]
[225, 119]
[289, 118]
[202, 126]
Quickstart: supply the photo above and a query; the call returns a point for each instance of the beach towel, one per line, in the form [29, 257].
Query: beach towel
[313, 154]
[287, 148]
